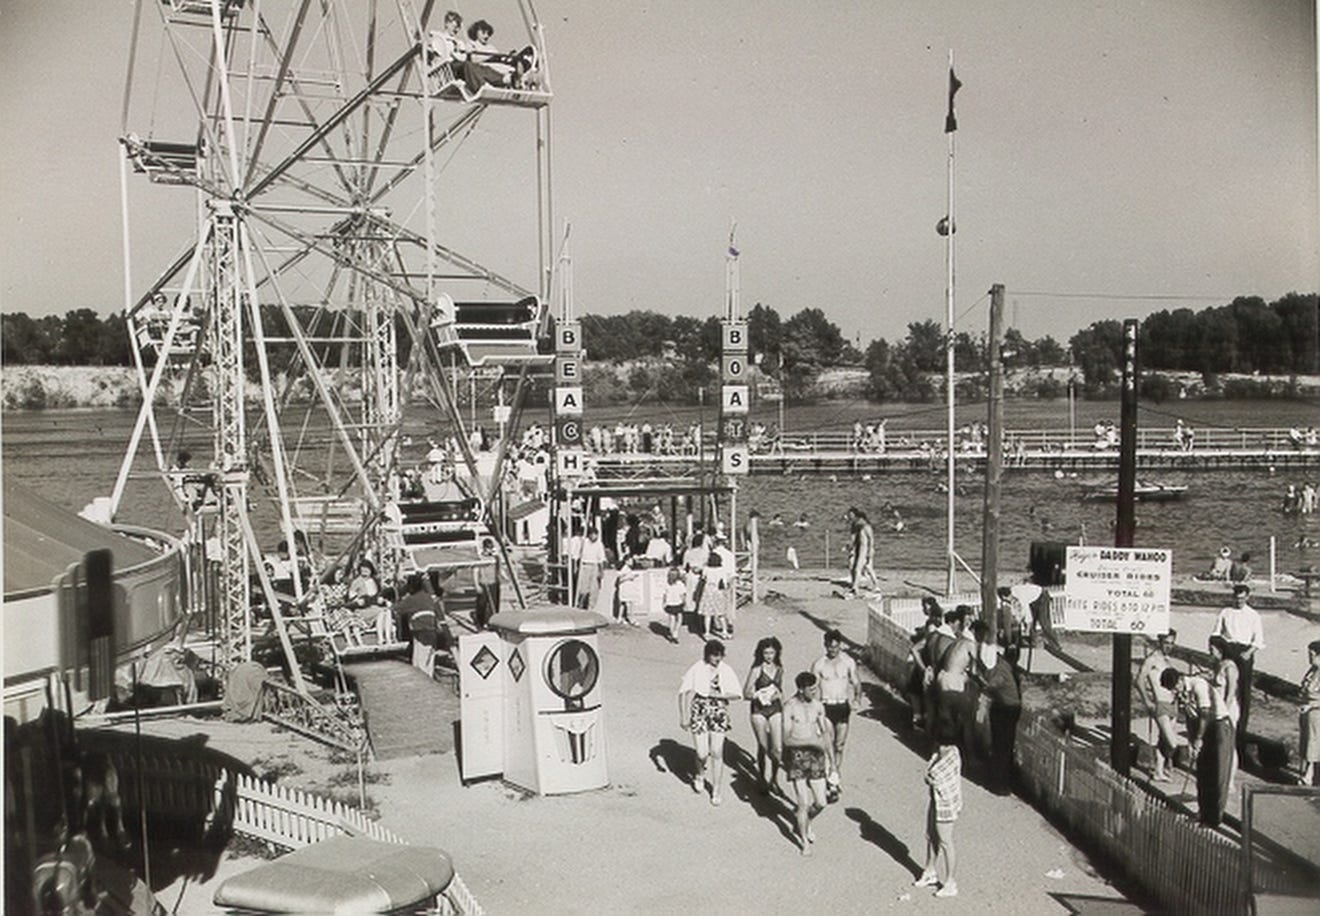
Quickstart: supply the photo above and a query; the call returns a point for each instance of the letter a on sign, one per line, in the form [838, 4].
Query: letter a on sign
[734, 399]
[568, 402]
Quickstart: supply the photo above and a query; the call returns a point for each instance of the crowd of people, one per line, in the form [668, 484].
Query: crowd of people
[701, 567]
[801, 731]
[1213, 702]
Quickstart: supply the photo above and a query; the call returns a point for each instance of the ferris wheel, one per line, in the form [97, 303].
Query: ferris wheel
[335, 161]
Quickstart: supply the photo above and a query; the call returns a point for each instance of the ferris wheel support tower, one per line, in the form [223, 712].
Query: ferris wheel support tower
[298, 122]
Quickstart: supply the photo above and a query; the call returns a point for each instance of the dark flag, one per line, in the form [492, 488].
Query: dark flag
[950, 122]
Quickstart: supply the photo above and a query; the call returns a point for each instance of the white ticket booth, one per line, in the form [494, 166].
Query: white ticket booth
[553, 709]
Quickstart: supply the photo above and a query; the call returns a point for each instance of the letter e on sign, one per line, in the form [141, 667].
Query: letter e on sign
[566, 370]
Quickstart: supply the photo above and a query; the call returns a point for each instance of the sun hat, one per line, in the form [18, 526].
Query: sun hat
[435, 455]
[1225, 552]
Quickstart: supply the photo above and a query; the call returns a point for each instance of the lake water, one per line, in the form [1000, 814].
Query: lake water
[72, 456]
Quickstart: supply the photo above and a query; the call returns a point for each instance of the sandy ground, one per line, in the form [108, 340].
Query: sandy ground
[649, 844]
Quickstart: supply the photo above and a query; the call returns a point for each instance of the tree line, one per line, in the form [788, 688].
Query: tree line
[674, 357]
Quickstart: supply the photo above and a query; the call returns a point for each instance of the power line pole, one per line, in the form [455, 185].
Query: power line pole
[994, 467]
[1125, 526]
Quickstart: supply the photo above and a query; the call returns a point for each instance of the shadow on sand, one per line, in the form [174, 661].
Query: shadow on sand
[874, 833]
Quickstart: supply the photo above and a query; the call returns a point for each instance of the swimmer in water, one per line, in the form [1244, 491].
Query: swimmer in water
[802, 521]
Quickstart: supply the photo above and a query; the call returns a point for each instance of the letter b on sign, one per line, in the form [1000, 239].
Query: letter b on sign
[568, 337]
[735, 337]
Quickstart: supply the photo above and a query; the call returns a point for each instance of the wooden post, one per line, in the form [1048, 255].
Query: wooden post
[733, 545]
[994, 466]
[754, 553]
[1125, 526]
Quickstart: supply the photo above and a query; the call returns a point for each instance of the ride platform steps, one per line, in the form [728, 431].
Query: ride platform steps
[407, 713]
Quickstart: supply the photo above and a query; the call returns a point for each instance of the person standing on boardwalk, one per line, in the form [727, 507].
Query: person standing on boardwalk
[675, 599]
[1310, 714]
[703, 710]
[861, 558]
[996, 672]
[1244, 636]
[1211, 733]
[957, 692]
[808, 754]
[944, 779]
[764, 686]
[590, 570]
[840, 691]
[1159, 703]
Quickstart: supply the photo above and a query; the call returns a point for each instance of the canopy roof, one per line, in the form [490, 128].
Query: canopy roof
[42, 539]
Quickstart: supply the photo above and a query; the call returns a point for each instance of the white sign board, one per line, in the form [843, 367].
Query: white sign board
[1118, 589]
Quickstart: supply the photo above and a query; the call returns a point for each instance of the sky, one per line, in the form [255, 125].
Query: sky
[1114, 157]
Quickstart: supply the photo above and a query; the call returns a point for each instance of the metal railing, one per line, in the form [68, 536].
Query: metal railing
[1160, 440]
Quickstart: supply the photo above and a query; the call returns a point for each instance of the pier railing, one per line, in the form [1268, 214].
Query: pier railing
[1187, 867]
[839, 451]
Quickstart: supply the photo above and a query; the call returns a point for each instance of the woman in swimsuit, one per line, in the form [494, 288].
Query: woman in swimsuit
[764, 687]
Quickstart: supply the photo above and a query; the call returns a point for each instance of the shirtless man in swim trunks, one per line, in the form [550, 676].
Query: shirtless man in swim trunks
[808, 754]
[840, 691]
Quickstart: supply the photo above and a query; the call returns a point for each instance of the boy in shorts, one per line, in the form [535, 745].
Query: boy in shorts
[808, 754]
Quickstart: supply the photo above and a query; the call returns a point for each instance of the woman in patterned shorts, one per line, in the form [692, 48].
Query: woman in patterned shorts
[703, 710]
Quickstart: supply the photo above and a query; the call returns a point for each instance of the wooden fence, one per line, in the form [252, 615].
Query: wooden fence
[1187, 867]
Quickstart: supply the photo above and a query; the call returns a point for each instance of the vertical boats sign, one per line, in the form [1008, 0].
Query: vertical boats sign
[1118, 589]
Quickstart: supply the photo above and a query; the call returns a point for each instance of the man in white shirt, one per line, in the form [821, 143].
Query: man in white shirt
[1241, 629]
[658, 549]
[589, 569]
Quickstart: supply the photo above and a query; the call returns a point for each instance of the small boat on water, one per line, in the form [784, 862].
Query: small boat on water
[1146, 491]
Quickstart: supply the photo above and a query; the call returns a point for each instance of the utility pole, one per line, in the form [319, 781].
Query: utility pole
[1125, 526]
[994, 466]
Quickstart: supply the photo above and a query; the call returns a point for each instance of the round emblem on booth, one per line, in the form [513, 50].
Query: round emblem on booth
[572, 669]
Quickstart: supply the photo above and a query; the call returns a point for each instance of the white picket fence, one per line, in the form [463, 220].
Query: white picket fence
[284, 817]
[288, 817]
[292, 818]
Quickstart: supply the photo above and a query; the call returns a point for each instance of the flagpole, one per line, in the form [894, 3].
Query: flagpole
[951, 557]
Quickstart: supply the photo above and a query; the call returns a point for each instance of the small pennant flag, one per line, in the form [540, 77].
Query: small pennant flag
[951, 122]
[733, 252]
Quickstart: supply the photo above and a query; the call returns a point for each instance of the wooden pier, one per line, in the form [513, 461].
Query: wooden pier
[1025, 450]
